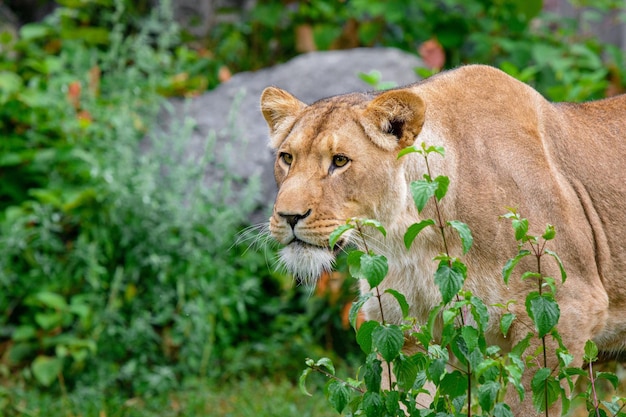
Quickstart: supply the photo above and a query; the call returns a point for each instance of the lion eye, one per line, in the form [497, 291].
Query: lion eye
[340, 160]
[287, 158]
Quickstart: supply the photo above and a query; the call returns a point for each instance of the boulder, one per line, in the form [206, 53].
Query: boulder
[231, 111]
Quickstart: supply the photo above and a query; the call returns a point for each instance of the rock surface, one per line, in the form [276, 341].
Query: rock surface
[232, 113]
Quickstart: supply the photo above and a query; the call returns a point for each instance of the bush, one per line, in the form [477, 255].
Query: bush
[118, 267]
[547, 51]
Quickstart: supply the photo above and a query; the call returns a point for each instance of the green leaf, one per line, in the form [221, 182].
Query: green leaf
[476, 357]
[470, 336]
[450, 279]
[375, 224]
[442, 186]
[392, 403]
[521, 346]
[52, 300]
[426, 331]
[326, 363]
[436, 370]
[548, 282]
[609, 376]
[422, 191]
[480, 312]
[488, 394]
[488, 370]
[302, 381]
[543, 310]
[530, 275]
[354, 263]
[337, 394]
[374, 269]
[388, 341]
[46, 369]
[405, 368]
[324, 34]
[436, 149]
[464, 233]
[521, 228]
[591, 351]
[46, 196]
[364, 335]
[401, 299]
[414, 230]
[502, 410]
[549, 233]
[24, 333]
[454, 384]
[373, 404]
[49, 321]
[10, 83]
[505, 323]
[372, 78]
[514, 370]
[541, 383]
[373, 371]
[32, 31]
[336, 234]
[353, 315]
[559, 262]
[450, 330]
[408, 150]
[512, 263]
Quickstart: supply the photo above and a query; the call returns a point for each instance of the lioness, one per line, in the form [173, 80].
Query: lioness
[561, 164]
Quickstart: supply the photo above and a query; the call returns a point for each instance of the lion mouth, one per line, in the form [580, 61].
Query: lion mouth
[306, 261]
[336, 250]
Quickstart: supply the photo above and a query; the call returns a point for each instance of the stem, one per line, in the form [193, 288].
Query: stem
[538, 254]
[442, 226]
[331, 376]
[596, 406]
[378, 297]
[469, 391]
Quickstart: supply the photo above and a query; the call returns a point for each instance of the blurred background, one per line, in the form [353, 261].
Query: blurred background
[132, 283]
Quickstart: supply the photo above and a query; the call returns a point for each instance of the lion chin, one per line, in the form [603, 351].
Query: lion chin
[306, 262]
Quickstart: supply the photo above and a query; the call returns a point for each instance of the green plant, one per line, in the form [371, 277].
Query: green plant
[475, 382]
[118, 274]
[539, 48]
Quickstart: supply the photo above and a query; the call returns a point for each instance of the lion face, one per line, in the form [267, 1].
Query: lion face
[335, 160]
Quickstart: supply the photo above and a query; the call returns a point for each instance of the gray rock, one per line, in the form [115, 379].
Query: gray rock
[232, 112]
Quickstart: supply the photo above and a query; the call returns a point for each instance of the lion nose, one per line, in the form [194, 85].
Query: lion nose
[293, 219]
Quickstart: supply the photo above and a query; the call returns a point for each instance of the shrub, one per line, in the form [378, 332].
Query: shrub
[547, 51]
[118, 267]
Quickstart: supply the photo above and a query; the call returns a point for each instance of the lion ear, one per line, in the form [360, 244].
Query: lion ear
[279, 109]
[395, 114]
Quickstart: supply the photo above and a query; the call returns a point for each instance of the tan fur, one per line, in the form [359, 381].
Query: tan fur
[563, 164]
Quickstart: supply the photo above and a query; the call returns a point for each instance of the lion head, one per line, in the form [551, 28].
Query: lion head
[336, 159]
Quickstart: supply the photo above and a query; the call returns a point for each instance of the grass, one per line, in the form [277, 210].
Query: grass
[266, 397]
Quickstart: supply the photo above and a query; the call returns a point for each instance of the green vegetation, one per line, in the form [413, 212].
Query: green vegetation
[121, 289]
[119, 277]
[476, 383]
[544, 50]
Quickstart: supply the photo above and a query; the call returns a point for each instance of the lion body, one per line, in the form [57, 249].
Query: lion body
[506, 146]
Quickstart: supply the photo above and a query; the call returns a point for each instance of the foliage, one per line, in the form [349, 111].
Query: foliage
[118, 270]
[248, 397]
[475, 382]
[542, 49]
